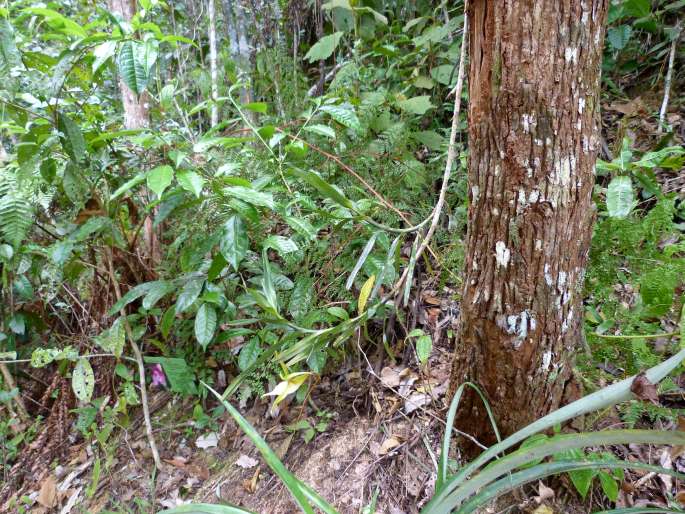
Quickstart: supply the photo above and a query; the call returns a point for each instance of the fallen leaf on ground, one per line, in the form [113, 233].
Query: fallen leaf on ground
[207, 441]
[644, 390]
[388, 445]
[246, 462]
[544, 493]
[415, 401]
[543, 509]
[390, 377]
[47, 496]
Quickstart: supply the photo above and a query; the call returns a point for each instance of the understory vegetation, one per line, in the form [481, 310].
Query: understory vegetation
[263, 228]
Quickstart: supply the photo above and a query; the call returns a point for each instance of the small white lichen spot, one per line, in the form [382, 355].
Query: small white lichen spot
[522, 198]
[538, 244]
[502, 254]
[579, 124]
[546, 360]
[538, 142]
[586, 145]
[561, 280]
[534, 196]
[565, 165]
[529, 171]
[571, 55]
[527, 120]
[548, 276]
[495, 211]
[475, 191]
[581, 105]
[497, 170]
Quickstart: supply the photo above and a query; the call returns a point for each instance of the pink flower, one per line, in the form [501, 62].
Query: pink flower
[158, 377]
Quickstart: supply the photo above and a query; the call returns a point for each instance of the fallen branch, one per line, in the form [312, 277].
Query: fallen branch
[669, 77]
[139, 360]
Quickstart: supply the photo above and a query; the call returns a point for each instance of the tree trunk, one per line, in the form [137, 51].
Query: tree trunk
[533, 138]
[211, 12]
[136, 110]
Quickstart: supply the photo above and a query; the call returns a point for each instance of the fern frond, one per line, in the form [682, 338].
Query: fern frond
[16, 209]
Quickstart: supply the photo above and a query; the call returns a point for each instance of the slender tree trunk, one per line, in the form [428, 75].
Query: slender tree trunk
[212, 63]
[136, 110]
[533, 138]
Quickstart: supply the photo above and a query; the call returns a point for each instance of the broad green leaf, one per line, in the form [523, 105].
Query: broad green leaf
[159, 178]
[251, 196]
[444, 74]
[131, 295]
[424, 346]
[321, 130]
[302, 227]
[338, 312]
[609, 485]
[234, 242]
[324, 48]
[113, 339]
[638, 9]
[323, 187]
[180, 375]
[191, 181]
[131, 63]
[618, 37]
[189, 294]
[268, 288]
[416, 105]
[343, 114]
[205, 324]
[128, 185]
[301, 298]
[281, 244]
[83, 380]
[41, 357]
[72, 138]
[9, 54]
[620, 197]
[249, 353]
[59, 22]
[158, 291]
[364, 294]
[102, 53]
[259, 107]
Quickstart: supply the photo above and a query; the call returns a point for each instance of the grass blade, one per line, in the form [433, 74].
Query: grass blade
[295, 486]
[206, 508]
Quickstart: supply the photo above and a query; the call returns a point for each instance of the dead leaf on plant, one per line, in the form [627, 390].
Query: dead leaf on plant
[644, 390]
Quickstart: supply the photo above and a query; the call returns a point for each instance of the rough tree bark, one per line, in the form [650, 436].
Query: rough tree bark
[533, 138]
[136, 110]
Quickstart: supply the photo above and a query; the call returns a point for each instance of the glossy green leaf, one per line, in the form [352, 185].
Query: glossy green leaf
[416, 105]
[620, 197]
[234, 241]
[189, 294]
[72, 139]
[251, 196]
[205, 324]
[191, 181]
[324, 48]
[131, 62]
[159, 178]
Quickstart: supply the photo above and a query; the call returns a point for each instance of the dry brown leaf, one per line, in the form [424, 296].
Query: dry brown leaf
[177, 461]
[544, 493]
[644, 390]
[680, 497]
[390, 377]
[388, 445]
[246, 462]
[47, 496]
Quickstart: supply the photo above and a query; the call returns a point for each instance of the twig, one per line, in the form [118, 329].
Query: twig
[139, 360]
[451, 153]
[669, 77]
[9, 382]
